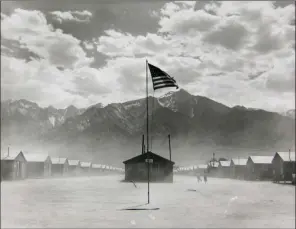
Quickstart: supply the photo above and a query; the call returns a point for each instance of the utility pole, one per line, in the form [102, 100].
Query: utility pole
[170, 147]
[143, 147]
[147, 129]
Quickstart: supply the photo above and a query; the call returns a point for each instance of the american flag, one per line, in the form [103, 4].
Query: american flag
[161, 79]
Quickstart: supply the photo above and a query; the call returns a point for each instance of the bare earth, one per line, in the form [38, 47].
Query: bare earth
[97, 202]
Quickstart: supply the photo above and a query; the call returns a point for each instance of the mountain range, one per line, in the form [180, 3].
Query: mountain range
[198, 126]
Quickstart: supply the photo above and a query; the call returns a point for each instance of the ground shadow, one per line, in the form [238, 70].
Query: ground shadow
[139, 207]
[145, 181]
[283, 183]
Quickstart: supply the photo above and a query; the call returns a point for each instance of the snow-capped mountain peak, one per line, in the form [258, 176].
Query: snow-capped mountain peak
[25, 112]
[52, 120]
[174, 99]
[289, 113]
[167, 94]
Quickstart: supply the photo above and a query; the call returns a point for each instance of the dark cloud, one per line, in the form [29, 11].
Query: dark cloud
[15, 49]
[131, 81]
[281, 85]
[89, 86]
[256, 75]
[201, 5]
[100, 59]
[230, 36]
[283, 3]
[266, 41]
[217, 74]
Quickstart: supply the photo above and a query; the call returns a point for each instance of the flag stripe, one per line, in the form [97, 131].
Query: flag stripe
[159, 77]
[162, 79]
[163, 86]
[165, 83]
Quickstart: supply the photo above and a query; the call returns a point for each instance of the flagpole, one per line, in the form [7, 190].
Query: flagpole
[147, 129]
[147, 121]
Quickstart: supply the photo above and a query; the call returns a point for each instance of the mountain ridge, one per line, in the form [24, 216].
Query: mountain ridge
[289, 113]
[106, 131]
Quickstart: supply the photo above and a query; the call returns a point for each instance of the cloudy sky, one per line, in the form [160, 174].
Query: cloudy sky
[68, 52]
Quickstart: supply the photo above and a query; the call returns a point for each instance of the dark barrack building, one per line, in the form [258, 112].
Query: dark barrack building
[202, 169]
[238, 168]
[96, 169]
[161, 169]
[213, 168]
[284, 165]
[38, 166]
[74, 167]
[13, 166]
[85, 167]
[259, 167]
[59, 166]
[224, 169]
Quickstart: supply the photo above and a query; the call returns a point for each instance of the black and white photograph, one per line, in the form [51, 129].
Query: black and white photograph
[147, 114]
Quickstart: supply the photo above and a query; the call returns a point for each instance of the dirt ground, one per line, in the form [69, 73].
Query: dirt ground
[99, 202]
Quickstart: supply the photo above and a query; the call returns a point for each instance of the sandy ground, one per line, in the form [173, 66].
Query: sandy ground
[98, 202]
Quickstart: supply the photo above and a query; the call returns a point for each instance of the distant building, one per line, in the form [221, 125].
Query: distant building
[112, 169]
[224, 169]
[96, 169]
[38, 166]
[213, 168]
[13, 166]
[202, 169]
[85, 167]
[107, 169]
[185, 170]
[260, 167]
[103, 168]
[191, 170]
[284, 164]
[161, 169]
[59, 166]
[238, 168]
[74, 167]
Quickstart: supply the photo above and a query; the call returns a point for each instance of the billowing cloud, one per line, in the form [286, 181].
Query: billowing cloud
[224, 35]
[3, 16]
[61, 76]
[186, 20]
[238, 53]
[279, 82]
[88, 45]
[77, 16]
[116, 43]
[237, 43]
[31, 30]
[44, 83]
